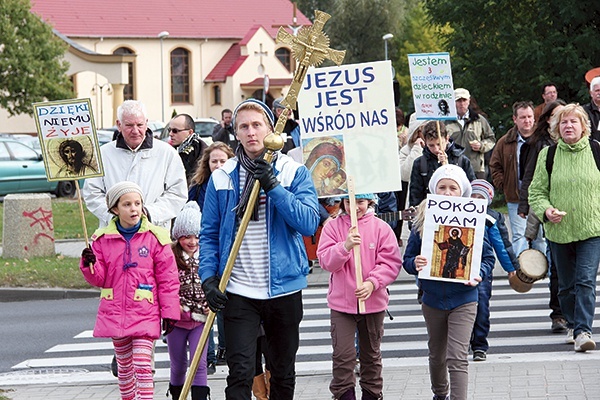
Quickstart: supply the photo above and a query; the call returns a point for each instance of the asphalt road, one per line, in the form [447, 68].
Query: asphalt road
[29, 328]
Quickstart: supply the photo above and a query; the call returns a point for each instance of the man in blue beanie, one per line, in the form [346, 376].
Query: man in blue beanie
[270, 270]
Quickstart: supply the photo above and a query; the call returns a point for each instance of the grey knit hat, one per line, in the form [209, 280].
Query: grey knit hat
[119, 189]
[483, 188]
[187, 221]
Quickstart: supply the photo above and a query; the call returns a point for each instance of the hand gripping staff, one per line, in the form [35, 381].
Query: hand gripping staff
[309, 48]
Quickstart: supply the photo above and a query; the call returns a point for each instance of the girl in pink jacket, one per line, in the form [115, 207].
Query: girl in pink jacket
[381, 263]
[135, 267]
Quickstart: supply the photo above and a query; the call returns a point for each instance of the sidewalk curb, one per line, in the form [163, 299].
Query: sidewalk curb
[31, 294]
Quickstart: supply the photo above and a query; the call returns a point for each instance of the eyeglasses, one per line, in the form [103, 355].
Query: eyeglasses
[176, 131]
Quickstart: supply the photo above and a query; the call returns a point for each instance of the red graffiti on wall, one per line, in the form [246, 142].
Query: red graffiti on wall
[43, 218]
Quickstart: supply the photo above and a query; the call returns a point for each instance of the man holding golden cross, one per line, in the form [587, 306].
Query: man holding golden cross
[253, 262]
[271, 267]
[269, 261]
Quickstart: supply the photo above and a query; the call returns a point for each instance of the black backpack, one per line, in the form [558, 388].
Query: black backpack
[594, 144]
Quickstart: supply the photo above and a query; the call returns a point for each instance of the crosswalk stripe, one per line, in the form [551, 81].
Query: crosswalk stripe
[520, 331]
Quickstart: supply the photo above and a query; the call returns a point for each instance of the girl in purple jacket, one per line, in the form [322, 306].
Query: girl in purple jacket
[134, 265]
[381, 265]
[194, 309]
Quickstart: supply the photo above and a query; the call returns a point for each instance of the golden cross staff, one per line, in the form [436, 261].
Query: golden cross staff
[309, 48]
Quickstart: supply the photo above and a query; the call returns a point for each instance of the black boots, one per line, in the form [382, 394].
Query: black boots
[200, 393]
[175, 391]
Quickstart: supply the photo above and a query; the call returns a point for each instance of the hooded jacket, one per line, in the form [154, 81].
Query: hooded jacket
[155, 167]
[380, 257]
[419, 178]
[138, 278]
[291, 212]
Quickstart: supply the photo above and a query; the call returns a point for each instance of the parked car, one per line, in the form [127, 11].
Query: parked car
[203, 126]
[104, 136]
[31, 141]
[22, 171]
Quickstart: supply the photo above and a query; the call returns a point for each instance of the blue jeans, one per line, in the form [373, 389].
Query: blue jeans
[553, 285]
[577, 266]
[517, 229]
[211, 357]
[481, 328]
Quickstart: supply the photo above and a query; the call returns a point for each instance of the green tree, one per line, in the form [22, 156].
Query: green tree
[308, 7]
[359, 25]
[503, 50]
[31, 64]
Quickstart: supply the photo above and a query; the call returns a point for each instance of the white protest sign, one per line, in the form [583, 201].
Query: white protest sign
[432, 87]
[348, 128]
[68, 139]
[453, 234]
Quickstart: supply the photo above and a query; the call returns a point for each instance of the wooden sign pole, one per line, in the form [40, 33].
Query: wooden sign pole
[356, 249]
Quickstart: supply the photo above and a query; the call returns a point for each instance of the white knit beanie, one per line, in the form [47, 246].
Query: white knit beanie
[187, 221]
[454, 172]
[119, 189]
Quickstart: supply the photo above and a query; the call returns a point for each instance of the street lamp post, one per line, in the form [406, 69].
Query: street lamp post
[163, 35]
[385, 38]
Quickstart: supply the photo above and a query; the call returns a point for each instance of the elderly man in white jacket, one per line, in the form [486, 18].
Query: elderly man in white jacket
[135, 156]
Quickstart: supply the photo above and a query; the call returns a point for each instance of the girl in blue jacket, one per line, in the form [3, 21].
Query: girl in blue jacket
[449, 308]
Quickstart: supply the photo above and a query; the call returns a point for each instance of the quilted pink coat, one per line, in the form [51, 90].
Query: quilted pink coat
[138, 278]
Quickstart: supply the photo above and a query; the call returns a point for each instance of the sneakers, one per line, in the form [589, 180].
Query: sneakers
[479, 355]
[221, 357]
[584, 342]
[436, 397]
[569, 339]
[211, 369]
[559, 325]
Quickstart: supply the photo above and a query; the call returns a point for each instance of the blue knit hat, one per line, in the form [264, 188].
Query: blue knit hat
[367, 196]
[266, 110]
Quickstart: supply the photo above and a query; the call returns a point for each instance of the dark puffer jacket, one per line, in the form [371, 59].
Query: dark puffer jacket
[424, 166]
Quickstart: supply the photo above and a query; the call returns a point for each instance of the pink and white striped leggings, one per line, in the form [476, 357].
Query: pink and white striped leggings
[134, 361]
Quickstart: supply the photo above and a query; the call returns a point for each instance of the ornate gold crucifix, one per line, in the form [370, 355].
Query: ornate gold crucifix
[309, 48]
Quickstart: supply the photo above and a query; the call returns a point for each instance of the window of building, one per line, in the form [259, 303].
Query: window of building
[128, 90]
[180, 76]
[283, 55]
[216, 95]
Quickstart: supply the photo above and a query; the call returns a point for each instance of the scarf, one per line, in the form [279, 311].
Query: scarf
[250, 166]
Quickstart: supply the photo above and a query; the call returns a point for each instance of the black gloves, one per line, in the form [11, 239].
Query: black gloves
[167, 326]
[88, 256]
[264, 174]
[215, 298]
